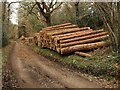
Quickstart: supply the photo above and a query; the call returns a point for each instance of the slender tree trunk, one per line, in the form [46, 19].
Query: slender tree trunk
[3, 14]
[48, 19]
[108, 23]
[77, 10]
[118, 11]
[4, 26]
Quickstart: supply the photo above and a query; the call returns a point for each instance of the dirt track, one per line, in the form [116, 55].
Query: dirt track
[35, 71]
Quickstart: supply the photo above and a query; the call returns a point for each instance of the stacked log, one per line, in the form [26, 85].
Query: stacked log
[22, 38]
[83, 47]
[36, 38]
[68, 38]
[83, 54]
[29, 40]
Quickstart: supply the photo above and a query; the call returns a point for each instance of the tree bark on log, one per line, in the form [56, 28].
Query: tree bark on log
[69, 34]
[50, 27]
[82, 38]
[63, 31]
[83, 47]
[63, 27]
[83, 54]
[75, 34]
[59, 28]
[84, 41]
[57, 40]
[36, 36]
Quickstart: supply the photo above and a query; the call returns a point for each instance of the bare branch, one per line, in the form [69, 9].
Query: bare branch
[33, 7]
[11, 3]
[45, 6]
[56, 7]
[53, 4]
[40, 8]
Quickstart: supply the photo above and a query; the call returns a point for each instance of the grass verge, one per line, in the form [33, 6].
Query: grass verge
[5, 52]
[103, 63]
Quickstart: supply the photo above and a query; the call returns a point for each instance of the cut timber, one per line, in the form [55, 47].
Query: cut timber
[22, 38]
[67, 38]
[77, 33]
[62, 31]
[83, 47]
[61, 25]
[83, 54]
[82, 38]
[57, 38]
[84, 41]
[36, 36]
[58, 28]
[73, 35]
[29, 39]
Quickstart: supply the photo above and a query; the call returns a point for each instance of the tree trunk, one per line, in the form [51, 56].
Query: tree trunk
[48, 19]
[3, 15]
[4, 24]
[108, 22]
[118, 11]
[77, 10]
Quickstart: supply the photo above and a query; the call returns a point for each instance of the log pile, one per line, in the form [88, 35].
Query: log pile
[68, 38]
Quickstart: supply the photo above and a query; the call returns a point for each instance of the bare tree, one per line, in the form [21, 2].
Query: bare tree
[77, 8]
[4, 23]
[42, 9]
[109, 13]
[47, 8]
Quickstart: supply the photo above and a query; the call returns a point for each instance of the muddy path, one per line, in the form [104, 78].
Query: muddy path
[35, 71]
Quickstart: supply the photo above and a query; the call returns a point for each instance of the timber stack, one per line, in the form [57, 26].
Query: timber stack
[68, 38]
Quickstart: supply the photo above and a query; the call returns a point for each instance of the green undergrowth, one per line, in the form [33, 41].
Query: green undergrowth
[103, 63]
[5, 52]
[0, 58]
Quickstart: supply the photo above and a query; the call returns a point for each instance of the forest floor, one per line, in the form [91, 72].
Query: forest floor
[27, 69]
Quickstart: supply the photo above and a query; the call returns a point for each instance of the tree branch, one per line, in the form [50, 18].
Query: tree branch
[40, 8]
[45, 6]
[33, 7]
[53, 4]
[56, 7]
[11, 3]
